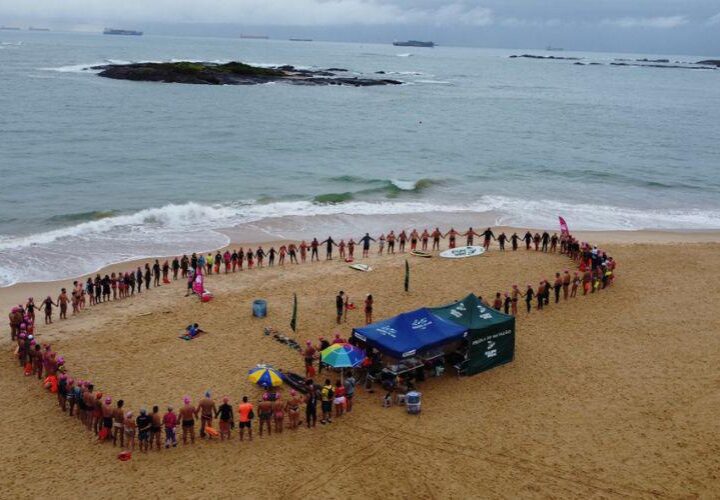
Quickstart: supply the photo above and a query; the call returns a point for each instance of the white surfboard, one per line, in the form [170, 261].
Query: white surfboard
[361, 267]
[462, 252]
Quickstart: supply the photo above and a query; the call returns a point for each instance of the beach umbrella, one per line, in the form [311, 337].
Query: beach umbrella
[265, 376]
[342, 355]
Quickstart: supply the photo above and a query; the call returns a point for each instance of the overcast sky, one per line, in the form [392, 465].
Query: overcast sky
[690, 26]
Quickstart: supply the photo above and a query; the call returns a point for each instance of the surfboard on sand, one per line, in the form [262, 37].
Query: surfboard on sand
[420, 253]
[361, 267]
[462, 252]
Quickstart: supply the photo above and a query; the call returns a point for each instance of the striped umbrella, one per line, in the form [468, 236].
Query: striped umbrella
[342, 355]
[265, 376]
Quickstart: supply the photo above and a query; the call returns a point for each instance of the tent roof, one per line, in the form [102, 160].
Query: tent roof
[471, 313]
[410, 332]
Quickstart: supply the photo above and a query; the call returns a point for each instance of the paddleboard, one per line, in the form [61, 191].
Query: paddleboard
[419, 253]
[462, 252]
[361, 267]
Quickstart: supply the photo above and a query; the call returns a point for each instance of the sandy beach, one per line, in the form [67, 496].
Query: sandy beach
[610, 395]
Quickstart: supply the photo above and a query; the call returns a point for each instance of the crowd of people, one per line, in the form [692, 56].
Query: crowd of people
[113, 422]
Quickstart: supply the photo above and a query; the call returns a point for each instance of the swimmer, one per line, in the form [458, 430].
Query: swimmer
[278, 413]
[48, 305]
[381, 244]
[329, 242]
[341, 249]
[566, 283]
[130, 427]
[498, 302]
[575, 283]
[502, 238]
[282, 251]
[339, 399]
[187, 418]
[292, 252]
[557, 286]
[62, 301]
[143, 424]
[391, 242]
[271, 256]
[224, 414]
[470, 235]
[528, 239]
[155, 428]
[536, 241]
[414, 237]
[515, 294]
[259, 256]
[314, 244]
[293, 409]
[545, 239]
[424, 238]
[487, 234]
[436, 235]
[451, 236]
[368, 309]
[402, 238]
[118, 417]
[514, 240]
[206, 408]
[351, 248]
[529, 293]
[265, 410]
[169, 421]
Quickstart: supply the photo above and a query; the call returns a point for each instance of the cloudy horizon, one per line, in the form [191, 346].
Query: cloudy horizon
[669, 26]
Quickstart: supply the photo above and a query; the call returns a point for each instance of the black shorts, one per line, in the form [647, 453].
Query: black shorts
[107, 422]
[144, 435]
[187, 424]
[244, 424]
[326, 406]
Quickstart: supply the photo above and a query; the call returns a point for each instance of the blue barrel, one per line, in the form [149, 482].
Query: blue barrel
[259, 308]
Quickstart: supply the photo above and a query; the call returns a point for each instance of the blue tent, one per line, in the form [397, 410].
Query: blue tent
[406, 334]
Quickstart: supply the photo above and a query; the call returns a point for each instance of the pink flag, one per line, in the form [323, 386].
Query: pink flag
[563, 227]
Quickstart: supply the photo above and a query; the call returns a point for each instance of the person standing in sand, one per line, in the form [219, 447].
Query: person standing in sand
[130, 428]
[451, 236]
[557, 285]
[47, 305]
[351, 248]
[187, 420]
[365, 240]
[381, 244]
[225, 415]
[575, 283]
[155, 428]
[62, 301]
[206, 408]
[424, 238]
[282, 251]
[515, 294]
[327, 395]
[271, 256]
[292, 252]
[368, 309]
[340, 306]
[170, 420]
[341, 249]
[278, 413]
[529, 293]
[118, 416]
[309, 356]
[502, 238]
[314, 245]
[414, 237]
[402, 239]
[470, 235]
[391, 242]
[259, 256]
[487, 235]
[265, 410]
[514, 239]
[311, 404]
[143, 423]
[292, 407]
[566, 284]
[436, 235]
[245, 416]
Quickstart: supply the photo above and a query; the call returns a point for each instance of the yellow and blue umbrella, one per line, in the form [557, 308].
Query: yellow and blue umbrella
[265, 376]
[342, 355]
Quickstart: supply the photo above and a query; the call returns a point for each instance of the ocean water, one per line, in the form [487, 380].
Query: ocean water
[96, 171]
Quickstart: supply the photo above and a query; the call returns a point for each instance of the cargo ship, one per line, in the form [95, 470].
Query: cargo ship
[414, 43]
[301, 39]
[254, 37]
[112, 31]
[33, 28]
[9, 28]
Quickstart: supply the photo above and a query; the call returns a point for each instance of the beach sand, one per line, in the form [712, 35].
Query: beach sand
[610, 395]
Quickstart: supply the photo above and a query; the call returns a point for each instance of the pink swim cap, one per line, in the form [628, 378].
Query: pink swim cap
[292, 392]
[186, 400]
[61, 360]
[225, 399]
[265, 397]
[108, 400]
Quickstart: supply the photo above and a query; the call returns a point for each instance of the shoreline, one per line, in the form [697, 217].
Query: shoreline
[251, 234]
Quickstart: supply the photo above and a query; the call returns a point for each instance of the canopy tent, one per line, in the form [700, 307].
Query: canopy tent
[491, 334]
[408, 333]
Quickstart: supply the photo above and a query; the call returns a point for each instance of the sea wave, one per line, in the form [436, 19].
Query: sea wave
[390, 188]
[173, 229]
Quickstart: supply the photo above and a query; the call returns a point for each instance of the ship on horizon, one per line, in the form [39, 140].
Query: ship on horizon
[33, 28]
[9, 28]
[550, 48]
[301, 39]
[254, 37]
[113, 31]
[414, 43]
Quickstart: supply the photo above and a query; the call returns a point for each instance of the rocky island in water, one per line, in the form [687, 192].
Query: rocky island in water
[231, 73]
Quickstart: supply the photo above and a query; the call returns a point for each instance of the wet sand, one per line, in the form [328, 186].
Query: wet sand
[614, 394]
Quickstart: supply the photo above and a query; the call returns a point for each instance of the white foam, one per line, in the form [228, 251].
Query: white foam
[404, 55]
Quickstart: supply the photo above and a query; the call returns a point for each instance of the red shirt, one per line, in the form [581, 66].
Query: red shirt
[170, 420]
[339, 392]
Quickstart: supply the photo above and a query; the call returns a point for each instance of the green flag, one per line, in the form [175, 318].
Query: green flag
[407, 276]
[293, 321]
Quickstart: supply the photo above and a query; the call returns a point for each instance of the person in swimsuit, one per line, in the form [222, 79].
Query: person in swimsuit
[381, 244]
[451, 235]
[575, 283]
[514, 295]
[241, 258]
[206, 408]
[339, 399]
[528, 239]
[155, 428]
[148, 276]
[293, 409]
[349, 385]
[271, 256]
[187, 419]
[118, 417]
[48, 305]
[514, 241]
[557, 286]
[365, 240]
[130, 427]
[402, 238]
[175, 268]
[292, 252]
[278, 413]
[470, 236]
[341, 249]
[225, 415]
[265, 409]
[139, 279]
[143, 424]
[282, 251]
[340, 306]
[368, 309]
[545, 238]
[309, 357]
[498, 302]
[260, 256]
[62, 301]
[566, 284]
[245, 416]
[553, 242]
[314, 244]
[234, 260]
[351, 248]
[487, 235]
[424, 238]
[250, 256]
[209, 262]
[506, 303]
[436, 235]
[311, 404]
[391, 242]
[529, 294]
[502, 238]
[536, 241]
[329, 242]
[414, 237]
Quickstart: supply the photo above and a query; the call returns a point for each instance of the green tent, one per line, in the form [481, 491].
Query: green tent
[490, 337]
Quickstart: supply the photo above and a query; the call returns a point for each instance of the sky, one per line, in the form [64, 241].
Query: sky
[654, 26]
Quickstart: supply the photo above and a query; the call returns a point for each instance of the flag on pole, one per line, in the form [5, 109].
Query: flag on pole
[563, 227]
[293, 321]
[407, 276]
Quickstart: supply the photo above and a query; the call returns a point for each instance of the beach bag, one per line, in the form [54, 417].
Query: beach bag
[251, 415]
